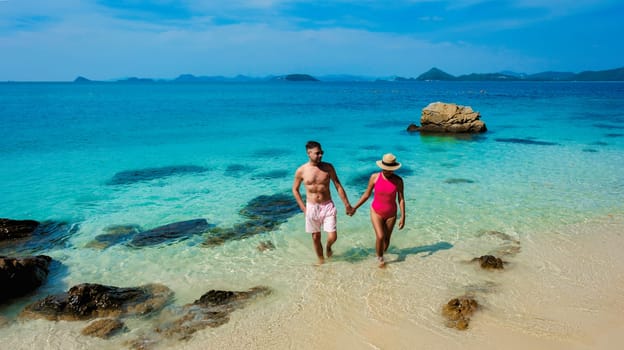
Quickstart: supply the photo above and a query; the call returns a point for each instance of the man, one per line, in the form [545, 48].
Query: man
[319, 208]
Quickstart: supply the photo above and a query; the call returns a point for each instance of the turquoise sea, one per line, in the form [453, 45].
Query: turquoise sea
[553, 156]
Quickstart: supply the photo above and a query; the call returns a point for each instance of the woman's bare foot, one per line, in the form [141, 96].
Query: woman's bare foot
[381, 262]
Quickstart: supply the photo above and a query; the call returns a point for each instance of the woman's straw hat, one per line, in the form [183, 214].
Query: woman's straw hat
[388, 162]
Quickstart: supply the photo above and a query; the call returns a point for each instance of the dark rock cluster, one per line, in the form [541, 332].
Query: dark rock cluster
[20, 276]
[263, 213]
[458, 312]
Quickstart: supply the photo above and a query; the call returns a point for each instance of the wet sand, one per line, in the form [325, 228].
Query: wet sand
[563, 289]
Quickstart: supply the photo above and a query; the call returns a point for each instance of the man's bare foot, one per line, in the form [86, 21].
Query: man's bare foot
[381, 262]
[320, 261]
[330, 252]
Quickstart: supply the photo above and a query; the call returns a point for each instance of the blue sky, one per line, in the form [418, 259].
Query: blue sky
[57, 40]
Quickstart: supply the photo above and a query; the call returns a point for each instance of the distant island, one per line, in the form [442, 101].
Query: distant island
[604, 75]
[433, 74]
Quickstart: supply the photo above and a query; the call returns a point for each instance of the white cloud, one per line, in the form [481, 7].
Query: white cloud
[110, 48]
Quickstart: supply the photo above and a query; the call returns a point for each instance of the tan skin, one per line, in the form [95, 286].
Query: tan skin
[383, 227]
[316, 176]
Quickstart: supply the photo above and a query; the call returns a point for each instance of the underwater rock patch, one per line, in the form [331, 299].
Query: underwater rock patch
[20, 276]
[276, 207]
[240, 231]
[265, 245]
[456, 181]
[211, 310]
[526, 141]
[264, 214]
[115, 234]
[89, 301]
[47, 236]
[510, 247]
[271, 175]
[16, 229]
[238, 170]
[103, 328]
[170, 232]
[139, 175]
[458, 312]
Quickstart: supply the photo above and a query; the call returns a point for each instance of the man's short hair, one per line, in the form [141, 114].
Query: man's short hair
[312, 144]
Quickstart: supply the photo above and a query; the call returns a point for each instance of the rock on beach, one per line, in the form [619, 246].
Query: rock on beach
[20, 276]
[89, 301]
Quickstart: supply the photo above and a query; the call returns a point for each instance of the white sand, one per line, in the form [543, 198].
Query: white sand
[562, 290]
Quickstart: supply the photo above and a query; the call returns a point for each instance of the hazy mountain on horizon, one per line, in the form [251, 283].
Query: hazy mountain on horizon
[433, 74]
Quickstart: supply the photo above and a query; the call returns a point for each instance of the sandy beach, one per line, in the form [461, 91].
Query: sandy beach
[563, 290]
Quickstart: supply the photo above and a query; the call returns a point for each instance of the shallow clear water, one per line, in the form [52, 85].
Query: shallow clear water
[61, 144]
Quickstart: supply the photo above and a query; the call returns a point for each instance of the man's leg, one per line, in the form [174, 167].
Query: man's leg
[318, 247]
[331, 238]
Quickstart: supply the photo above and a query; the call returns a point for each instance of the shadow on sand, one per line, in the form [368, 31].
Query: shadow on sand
[355, 255]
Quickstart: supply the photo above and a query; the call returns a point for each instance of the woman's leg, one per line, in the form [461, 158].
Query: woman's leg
[379, 227]
[388, 227]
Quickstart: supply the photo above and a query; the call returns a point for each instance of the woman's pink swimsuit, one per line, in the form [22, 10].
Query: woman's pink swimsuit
[384, 200]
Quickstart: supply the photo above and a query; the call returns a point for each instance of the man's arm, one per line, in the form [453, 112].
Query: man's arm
[295, 189]
[341, 192]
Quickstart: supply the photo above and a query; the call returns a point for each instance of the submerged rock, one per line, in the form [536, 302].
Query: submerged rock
[114, 235]
[139, 175]
[455, 181]
[240, 231]
[439, 117]
[510, 246]
[458, 312]
[265, 245]
[526, 141]
[271, 175]
[20, 276]
[103, 328]
[89, 301]
[210, 310]
[278, 207]
[47, 235]
[265, 214]
[171, 232]
[16, 229]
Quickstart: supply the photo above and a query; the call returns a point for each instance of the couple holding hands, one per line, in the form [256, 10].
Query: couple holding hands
[319, 209]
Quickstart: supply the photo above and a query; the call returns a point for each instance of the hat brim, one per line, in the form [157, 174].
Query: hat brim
[388, 167]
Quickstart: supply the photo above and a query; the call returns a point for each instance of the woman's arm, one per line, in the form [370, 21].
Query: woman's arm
[368, 192]
[401, 203]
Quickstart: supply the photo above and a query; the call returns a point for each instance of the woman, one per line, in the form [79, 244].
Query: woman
[388, 187]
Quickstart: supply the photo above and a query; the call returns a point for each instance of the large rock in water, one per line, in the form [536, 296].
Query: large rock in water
[20, 276]
[439, 117]
[89, 301]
